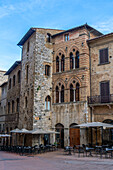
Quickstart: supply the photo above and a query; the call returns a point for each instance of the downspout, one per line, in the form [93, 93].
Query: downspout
[90, 69]
[90, 81]
[90, 94]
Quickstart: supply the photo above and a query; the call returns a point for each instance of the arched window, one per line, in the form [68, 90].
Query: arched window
[26, 102]
[19, 76]
[71, 60]
[77, 91]
[13, 106]
[8, 107]
[57, 64]
[62, 63]
[14, 80]
[77, 60]
[17, 107]
[57, 94]
[62, 94]
[47, 70]
[48, 103]
[27, 73]
[10, 83]
[71, 93]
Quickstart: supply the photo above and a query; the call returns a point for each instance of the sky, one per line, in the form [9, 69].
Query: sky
[17, 16]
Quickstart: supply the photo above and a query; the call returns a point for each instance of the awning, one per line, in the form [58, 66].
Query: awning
[94, 124]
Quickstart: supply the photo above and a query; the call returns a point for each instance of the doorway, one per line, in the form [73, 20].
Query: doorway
[60, 137]
[74, 135]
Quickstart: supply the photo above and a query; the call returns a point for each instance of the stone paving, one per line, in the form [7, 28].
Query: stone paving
[52, 161]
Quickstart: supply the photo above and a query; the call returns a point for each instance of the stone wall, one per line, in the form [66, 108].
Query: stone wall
[101, 73]
[13, 93]
[68, 112]
[3, 79]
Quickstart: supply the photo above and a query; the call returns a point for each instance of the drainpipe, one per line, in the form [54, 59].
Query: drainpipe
[90, 82]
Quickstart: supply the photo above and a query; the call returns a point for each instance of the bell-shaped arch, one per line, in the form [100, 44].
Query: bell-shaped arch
[77, 60]
[60, 137]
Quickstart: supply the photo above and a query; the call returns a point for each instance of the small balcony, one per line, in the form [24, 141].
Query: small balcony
[97, 100]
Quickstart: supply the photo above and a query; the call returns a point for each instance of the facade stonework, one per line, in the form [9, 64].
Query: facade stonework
[61, 76]
[70, 113]
[36, 86]
[101, 100]
[13, 98]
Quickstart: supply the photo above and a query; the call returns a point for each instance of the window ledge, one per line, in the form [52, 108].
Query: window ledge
[76, 69]
[47, 110]
[104, 63]
[77, 102]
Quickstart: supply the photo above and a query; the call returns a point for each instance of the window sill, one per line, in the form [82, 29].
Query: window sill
[47, 110]
[77, 102]
[104, 63]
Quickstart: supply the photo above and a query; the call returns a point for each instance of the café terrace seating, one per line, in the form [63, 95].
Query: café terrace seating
[103, 151]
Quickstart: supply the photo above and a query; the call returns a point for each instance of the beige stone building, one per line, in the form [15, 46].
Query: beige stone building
[13, 97]
[3, 96]
[36, 82]
[71, 83]
[101, 84]
[60, 70]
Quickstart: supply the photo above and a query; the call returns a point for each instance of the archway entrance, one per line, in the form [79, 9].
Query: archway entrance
[60, 137]
[74, 134]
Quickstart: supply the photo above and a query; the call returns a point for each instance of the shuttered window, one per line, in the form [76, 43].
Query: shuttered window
[104, 91]
[103, 53]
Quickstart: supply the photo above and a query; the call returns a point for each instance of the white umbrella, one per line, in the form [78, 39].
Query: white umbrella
[15, 130]
[41, 131]
[94, 124]
[4, 135]
[23, 131]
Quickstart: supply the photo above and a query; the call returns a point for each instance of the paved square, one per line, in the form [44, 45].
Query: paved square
[52, 161]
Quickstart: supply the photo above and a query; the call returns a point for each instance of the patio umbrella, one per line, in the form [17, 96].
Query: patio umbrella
[15, 130]
[94, 124]
[41, 131]
[4, 135]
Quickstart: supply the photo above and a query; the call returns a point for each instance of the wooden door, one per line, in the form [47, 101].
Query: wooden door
[104, 90]
[74, 136]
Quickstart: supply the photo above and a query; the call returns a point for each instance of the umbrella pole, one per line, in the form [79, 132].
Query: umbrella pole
[96, 135]
[102, 134]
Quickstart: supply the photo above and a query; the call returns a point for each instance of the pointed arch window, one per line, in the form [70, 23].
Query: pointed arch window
[19, 76]
[14, 80]
[71, 60]
[57, 64]
[62, 94]
[48, 103]
[13, 106]
[77, 60]
[71, 93]
[10, 83]
[63, 63]
[77, 91]
[57, 94]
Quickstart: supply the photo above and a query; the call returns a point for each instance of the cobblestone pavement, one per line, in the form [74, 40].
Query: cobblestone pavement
[52, 161]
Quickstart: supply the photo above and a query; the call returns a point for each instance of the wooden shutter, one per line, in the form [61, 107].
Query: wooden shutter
[103, 56]
[105, 92]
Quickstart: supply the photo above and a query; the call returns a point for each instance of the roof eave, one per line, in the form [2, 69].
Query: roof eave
[13, 67]
[26, 36]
